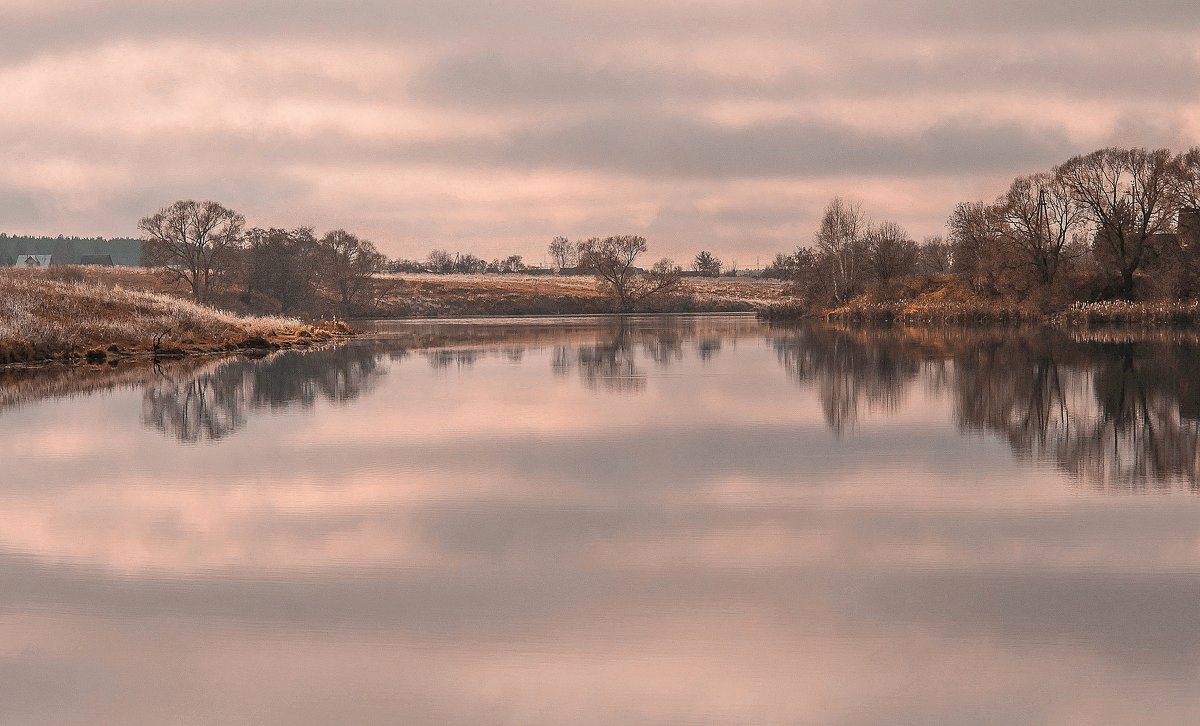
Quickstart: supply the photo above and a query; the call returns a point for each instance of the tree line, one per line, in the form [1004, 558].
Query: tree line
[566, 256]
[71, 250]
[1113, 224]
[207, 246]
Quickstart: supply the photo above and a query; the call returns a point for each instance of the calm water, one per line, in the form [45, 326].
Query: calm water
[655, 520]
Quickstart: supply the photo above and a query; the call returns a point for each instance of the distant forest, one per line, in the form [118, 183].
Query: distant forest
[71, 250]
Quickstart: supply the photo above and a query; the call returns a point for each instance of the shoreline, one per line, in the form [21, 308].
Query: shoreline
[86, 316]
[1163, 315]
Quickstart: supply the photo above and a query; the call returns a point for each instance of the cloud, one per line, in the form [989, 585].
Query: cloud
[672, 146]
[516, 78]
[705, 122]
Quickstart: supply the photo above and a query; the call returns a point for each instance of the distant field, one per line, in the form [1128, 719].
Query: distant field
[429, 295]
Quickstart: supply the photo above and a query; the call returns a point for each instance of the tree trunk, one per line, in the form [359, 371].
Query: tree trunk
[1127, 282]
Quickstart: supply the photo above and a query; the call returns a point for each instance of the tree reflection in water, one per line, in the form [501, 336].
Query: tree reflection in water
[707, 348]
[212, 404]
[439, 359]
[1113, 412]
[612, 362]
[851, 372]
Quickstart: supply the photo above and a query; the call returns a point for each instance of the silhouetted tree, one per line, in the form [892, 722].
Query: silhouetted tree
[707, 264]
[611, 261]
[196, 241]
[440, 261]
[840, 242]
[934, 256]
[562, 253]
[1038, 217]
[976, 243]
[349, 266]
[1130, 197]
[888, 254]
[1187, 181]
[512, 263]
[285, 266]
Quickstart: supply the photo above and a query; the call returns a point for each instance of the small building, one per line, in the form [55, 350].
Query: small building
[1189, 228]
[42, 261]
[96, 260]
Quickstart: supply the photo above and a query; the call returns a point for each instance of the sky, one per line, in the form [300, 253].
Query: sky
[491, 126]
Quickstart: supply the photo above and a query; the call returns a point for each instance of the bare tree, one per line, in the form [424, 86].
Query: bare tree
[1188, 180]
[1180, 271]
[196, 241]
[440, 261]
[1130, 197]
[977, 246]
[840, 241]
[284, 266]
[889, 254]
[611, 261]
[934, 256]
[562, 253]
[469, 264]
[1039, 216]
[350, 265]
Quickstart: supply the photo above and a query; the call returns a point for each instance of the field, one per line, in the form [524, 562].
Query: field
[68, 313]
[427, 295]
[422, 295]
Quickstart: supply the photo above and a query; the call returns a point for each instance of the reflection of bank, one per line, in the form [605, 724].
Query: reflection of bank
[1110, 414]
[618, 350]
[216, 403]
[1114, 414]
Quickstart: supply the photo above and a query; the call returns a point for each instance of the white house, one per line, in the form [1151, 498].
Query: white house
[33, 260]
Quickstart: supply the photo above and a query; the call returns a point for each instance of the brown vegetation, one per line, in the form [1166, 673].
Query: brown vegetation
[429, 295]
[1107, 237]
[67, 313]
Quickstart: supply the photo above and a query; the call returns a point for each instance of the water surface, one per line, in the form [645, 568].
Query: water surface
[606, 520]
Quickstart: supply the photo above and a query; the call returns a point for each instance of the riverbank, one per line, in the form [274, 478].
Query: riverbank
[424, 295]
[926, 311]
[46, 316]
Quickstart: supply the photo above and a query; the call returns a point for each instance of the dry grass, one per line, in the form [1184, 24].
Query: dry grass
[1131, 313]
[944, 301]
[423, 295]
[58, 314]
[428, 295]
[917, 312]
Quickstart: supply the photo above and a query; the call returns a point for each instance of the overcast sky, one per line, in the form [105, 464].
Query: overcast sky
[490, 126]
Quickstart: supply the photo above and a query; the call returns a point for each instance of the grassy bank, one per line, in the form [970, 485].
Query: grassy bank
[49, 315]
[993, 313]
[950, 305]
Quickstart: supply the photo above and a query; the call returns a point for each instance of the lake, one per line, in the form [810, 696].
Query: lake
[610, 520]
